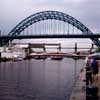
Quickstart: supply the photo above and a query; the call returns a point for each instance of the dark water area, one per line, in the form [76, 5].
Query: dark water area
[38, 79]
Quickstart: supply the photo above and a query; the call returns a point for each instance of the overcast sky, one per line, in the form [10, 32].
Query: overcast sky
[13, 11]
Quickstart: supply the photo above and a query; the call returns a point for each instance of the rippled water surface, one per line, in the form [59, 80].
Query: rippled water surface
[38, 79]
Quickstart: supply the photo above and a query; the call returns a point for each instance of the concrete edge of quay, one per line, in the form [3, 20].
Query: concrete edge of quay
[79, 89]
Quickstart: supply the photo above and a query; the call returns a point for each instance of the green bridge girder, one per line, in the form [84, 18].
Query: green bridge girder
[45, 15]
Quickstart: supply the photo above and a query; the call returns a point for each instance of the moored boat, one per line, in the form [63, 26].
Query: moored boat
[56, 57]
[40, 57]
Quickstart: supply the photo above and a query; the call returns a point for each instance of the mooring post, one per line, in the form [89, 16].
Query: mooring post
[29, 49]
[59, 46]
[75, 47]
[44, 48]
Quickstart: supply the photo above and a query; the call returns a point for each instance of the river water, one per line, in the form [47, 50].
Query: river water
[38, 79]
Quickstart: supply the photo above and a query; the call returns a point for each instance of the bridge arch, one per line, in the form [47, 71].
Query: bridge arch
[45, 15]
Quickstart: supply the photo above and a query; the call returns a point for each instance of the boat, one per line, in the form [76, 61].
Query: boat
[56, 57]
[40, 57]
[17, 58]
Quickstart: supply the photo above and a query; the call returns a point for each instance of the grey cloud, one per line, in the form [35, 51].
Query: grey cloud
[13, 11]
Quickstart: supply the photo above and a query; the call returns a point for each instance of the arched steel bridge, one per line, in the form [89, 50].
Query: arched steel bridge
[50, 15]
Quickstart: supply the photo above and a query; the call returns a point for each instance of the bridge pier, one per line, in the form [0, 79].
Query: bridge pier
[1, 43]
[0, 40]
[27, 52]
[0, 56]
[92, 46]
[4, 42]
[75, 48]
[10, 43]
[44, 49]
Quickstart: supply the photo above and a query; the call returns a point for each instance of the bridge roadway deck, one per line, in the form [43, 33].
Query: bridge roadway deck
[51, 36]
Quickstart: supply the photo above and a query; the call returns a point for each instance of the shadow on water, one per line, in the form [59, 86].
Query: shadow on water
[38, 79]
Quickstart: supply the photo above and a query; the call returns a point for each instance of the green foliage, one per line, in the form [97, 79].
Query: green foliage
[97, 50]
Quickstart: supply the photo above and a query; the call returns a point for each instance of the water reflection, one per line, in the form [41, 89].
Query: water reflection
[38, 79]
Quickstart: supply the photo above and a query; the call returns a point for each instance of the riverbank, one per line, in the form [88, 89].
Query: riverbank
[97, 83]
[46, 55]
[5, 59]
[81, 93]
